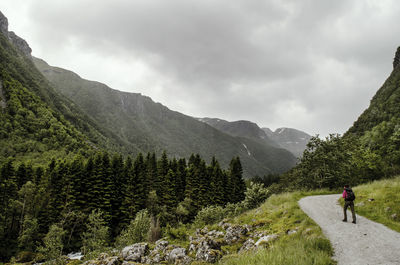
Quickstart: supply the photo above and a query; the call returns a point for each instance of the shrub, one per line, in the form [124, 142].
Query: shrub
[179, 232]
[53, 245]
[210, 215]
[96, 237]
[137, 231]
[255, 195]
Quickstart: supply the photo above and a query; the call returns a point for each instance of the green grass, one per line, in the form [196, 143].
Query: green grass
[277, 215]
[385, 203]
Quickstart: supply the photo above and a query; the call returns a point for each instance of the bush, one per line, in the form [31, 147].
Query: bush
[210, 215]
[179, 232]
[96, 237]
[255, 195]
[137, 231]
[53, 245]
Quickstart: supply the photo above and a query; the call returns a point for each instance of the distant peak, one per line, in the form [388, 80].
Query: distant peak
[396, 59]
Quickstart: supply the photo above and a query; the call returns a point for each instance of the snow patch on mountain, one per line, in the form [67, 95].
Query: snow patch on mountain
[248, 152]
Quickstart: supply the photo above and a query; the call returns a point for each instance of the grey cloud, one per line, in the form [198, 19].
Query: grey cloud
[241, 59]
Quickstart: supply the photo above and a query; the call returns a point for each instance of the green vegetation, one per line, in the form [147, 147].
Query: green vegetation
[279, 214]
[86, 203]
[385, 204]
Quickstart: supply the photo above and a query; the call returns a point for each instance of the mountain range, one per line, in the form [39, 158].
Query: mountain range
[290, 139]
[92, 116]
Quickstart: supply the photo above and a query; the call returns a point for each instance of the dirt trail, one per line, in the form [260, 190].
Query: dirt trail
[364, 243]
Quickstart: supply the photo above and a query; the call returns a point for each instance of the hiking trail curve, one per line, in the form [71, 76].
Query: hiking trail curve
[364, 243]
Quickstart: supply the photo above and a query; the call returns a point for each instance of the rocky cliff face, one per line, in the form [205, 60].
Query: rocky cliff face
[396, 59]
[291, 139]
[19, 43]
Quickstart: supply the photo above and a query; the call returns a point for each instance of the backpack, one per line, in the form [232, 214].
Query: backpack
[350, 195]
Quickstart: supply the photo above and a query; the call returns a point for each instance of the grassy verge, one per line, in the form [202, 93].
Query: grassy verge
[279, 214]
[380, 201]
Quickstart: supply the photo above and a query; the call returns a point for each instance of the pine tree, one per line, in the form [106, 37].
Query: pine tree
[181, 180]
[217, 183]
[168, 197]
[237, 183]
[141, 183]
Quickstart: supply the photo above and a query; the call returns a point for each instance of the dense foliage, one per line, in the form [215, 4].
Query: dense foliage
[36, 123]
[110, 190]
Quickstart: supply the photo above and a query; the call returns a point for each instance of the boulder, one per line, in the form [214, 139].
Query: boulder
[178, 256]
[208, 255]
[265, 239]
[135, 252]
[234, 233]
[248, 245]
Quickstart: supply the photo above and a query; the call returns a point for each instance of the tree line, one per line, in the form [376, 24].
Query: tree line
[172, 190]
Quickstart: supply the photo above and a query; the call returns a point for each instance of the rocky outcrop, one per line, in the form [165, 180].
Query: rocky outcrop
[3, 102]
[3, 24]
[135, 252]
[396, 59]
[205, 246]
[19, 43]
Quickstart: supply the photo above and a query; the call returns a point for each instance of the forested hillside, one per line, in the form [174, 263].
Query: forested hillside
[35, 122]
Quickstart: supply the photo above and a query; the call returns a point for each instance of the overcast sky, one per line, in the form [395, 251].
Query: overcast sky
[310, 65]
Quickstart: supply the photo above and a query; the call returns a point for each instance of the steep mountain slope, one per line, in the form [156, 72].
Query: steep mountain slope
[150, 126]
[35, 122]
[291, 139]
[379, 125]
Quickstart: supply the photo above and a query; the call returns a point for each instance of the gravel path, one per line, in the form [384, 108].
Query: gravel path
[364, 243]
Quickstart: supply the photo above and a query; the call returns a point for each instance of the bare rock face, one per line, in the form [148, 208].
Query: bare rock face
[3, 24]
[396, 59]
[20, 44]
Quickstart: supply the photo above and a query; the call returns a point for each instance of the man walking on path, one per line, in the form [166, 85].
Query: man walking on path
[349, 198]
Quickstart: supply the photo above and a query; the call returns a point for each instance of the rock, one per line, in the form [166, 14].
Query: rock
[291, 231]
[208, 255]
[360, 204]
[371, 199]
[388, 209]
[161, 245]
[248, 245]
[113, 261]
[135, 252]
[20, 44]
[394, 216]
[215, 234]
[234, 233]
[178, 256]
[224, 225]
[396, 59]
[265, 239]
[3, 24]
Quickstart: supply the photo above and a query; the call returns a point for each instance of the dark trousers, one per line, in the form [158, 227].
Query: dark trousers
[346, 205]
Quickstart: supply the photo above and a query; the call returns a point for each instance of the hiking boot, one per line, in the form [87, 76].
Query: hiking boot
[354, 222]
[344, 220]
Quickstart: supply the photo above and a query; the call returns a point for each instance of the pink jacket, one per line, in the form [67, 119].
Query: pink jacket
[344, 194]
